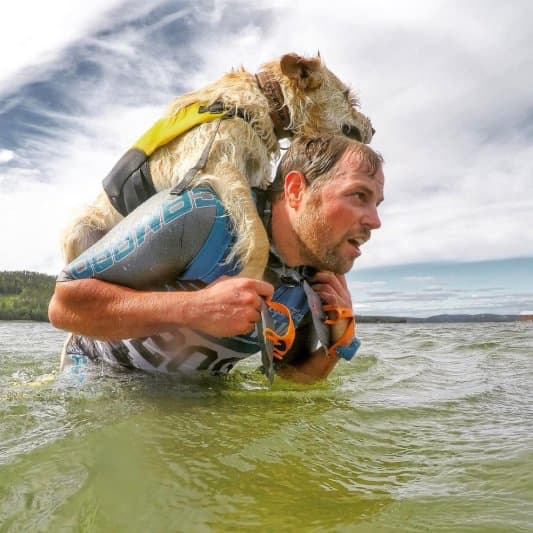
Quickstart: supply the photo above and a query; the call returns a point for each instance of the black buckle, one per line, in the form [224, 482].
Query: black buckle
[215, 107]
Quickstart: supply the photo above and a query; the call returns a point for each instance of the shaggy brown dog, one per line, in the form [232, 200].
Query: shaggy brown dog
[290, 96]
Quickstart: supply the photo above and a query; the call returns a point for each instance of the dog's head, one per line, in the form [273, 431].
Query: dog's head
[316, 100]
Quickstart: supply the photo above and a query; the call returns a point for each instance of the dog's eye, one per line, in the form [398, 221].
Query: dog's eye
[352, 132]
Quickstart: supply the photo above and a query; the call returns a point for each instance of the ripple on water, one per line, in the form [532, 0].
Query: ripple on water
[430, 427]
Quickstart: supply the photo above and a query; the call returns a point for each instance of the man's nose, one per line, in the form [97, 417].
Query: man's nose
[371, 219]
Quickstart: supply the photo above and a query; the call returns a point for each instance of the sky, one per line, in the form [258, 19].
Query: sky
[447, 85]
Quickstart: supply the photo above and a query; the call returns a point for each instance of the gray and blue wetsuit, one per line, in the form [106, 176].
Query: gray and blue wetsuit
[182, 242]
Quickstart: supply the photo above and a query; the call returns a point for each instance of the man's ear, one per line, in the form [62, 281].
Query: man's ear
[302, 71]
[294, 188]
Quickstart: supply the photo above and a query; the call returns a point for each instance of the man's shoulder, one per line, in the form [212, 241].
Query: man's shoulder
[170, 227]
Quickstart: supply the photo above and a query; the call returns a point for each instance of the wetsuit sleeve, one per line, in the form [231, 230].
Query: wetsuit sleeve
[153, 245]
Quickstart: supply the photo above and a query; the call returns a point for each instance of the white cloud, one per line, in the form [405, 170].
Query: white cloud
[6, 156]
[33, 33]
[446, 86]
[38, 202]
[445, 83]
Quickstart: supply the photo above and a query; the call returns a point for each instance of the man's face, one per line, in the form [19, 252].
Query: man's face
[333, 222]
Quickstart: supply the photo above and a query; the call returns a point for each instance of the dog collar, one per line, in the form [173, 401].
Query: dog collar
[279, 113]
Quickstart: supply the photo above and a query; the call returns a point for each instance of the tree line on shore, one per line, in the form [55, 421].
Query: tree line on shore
[24, 295]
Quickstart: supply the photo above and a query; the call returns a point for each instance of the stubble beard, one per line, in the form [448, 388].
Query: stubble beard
[312, 236]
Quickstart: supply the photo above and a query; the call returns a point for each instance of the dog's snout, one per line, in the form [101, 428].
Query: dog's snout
[352, 132]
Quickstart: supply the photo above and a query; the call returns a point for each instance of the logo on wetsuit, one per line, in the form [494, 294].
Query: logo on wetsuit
[95, 261]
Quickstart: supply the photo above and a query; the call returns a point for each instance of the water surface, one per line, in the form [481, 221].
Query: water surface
[429, 429]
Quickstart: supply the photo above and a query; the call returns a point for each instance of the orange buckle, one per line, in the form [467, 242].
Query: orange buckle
[346, 336]
[342, 312]
[281, 343]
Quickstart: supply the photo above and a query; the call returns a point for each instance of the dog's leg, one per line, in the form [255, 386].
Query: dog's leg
[259, 246]
[88, 227]
[252, 244]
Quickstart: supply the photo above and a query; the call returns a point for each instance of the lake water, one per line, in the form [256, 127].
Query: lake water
[429, 429]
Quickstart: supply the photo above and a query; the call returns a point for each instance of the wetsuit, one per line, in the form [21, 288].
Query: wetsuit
[182, 242]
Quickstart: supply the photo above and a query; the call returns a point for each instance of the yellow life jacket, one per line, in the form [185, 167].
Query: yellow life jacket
[130, 183]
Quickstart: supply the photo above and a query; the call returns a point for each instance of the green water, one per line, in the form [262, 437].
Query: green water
[430, 429]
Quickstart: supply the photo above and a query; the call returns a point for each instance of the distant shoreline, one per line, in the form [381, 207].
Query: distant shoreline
[24, 295]
[437, 319]
[462, 319]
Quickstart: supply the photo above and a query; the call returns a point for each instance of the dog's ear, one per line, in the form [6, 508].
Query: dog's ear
[303, 71]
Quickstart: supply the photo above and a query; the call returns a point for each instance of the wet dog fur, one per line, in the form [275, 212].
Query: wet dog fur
[243, 152]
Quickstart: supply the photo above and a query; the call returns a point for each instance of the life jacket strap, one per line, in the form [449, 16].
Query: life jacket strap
[281, 343]
[200, 164]
[340, 313]
[216, 108]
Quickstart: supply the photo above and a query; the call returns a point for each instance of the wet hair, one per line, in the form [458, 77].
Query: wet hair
[314, 157]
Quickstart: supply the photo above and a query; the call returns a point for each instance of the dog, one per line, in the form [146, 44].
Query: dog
[292, 95]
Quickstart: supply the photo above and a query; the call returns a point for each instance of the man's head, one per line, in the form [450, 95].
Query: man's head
[327, 190]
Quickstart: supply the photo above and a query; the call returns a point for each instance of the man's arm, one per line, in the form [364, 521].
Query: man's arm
[102, 310]
[333, 290]
[105, 293]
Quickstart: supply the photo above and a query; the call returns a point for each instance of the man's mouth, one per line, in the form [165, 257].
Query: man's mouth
[357, 242]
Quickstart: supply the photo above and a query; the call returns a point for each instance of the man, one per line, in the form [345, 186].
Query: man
[323, 204]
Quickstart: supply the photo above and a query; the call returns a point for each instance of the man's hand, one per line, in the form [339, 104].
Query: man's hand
[333, 290]
[230, 306]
